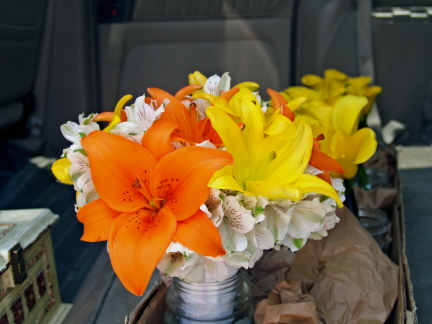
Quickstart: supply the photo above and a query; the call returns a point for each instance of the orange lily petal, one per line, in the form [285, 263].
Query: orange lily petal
[97, 218]
[190, 233]
[104, 116]
[185, 91]
[136, 244]
[280, 102]
[182, 176]
[157, 139]
[230, 93]
[175, 111]
[322, 161]
[115, 172]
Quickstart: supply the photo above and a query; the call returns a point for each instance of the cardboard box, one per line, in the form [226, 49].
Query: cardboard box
[29, 291]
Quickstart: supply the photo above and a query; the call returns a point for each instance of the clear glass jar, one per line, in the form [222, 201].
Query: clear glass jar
[376, 223]
[224, 302]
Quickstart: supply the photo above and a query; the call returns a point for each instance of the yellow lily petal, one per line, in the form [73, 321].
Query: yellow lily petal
[197, 78]
[233, 140]
[311, 80]
[60, 169]
[277, 124]
[274, 190]
[309, 183]
[291, 152]
[203, 95]
[112, 124]
[346, 113]
[296, 103]
[333, 74]
[252, 86]
[223, 179]
[349, 167]
[357, 148]
[253, 118]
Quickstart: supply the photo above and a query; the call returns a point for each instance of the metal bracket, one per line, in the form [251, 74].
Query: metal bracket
[18, 265]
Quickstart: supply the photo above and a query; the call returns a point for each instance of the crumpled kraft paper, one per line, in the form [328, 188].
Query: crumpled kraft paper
[346, 273]
[287, 303]
[383, 198]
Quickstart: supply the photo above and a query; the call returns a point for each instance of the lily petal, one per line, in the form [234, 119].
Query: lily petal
[97, 218]
[190, 233]
[137, 241]
[183, 176]
[114, 173]
[157, 138]
[346, 113]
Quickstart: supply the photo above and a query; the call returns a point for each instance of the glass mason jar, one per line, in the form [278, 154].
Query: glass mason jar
[221, 302]
[376, 223]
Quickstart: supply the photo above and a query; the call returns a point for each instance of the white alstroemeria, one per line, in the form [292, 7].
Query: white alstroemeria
[198, 269]
[79, 163]
[207, 144]
[236, 216]
[172, 264]
[214, 205]
[237, 259]
[255, 254]
[261, 237]
[140, 116]
[292, 243]
[256, 204]
[330, 220]
[339, 187]
[308, 216]
[215, 85]
[128, 130]
[278, 216]
[74, 132]
[232, 240]
[312, 170]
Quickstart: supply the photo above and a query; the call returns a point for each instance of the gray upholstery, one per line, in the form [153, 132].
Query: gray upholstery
[402, 47]
[21, 24]
[167, 40]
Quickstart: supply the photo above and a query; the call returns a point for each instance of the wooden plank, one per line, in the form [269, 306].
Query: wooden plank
[91, 295]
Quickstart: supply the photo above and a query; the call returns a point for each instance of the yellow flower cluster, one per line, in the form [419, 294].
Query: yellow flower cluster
[333, 107]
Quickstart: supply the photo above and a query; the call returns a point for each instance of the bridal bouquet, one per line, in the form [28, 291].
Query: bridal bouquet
[199, 182]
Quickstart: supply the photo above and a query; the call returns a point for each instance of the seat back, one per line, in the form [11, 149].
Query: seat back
[163, 41]
[21, 25]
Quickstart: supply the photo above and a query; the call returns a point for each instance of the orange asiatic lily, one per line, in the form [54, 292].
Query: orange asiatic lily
[147, 200]
[190, 129]
[323, 162]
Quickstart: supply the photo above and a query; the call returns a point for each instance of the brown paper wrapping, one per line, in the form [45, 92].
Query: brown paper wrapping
[345, 275]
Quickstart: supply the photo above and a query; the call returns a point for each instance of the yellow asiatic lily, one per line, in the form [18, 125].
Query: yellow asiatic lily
[349, 145]
[271, 166]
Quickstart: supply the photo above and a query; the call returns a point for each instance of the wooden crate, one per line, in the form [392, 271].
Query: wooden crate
[29, 291]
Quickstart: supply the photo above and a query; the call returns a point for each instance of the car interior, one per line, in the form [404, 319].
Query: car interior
[59, 59]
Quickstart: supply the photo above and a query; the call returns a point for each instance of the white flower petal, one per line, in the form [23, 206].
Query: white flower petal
[239, 218]
[231, 240]
[261, 237]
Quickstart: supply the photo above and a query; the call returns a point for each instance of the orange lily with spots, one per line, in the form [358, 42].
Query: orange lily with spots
[149, 197]
[190, 129]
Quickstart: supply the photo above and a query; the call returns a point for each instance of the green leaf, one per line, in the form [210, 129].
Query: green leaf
[258, 210]
[298, 243]
[82, 151]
